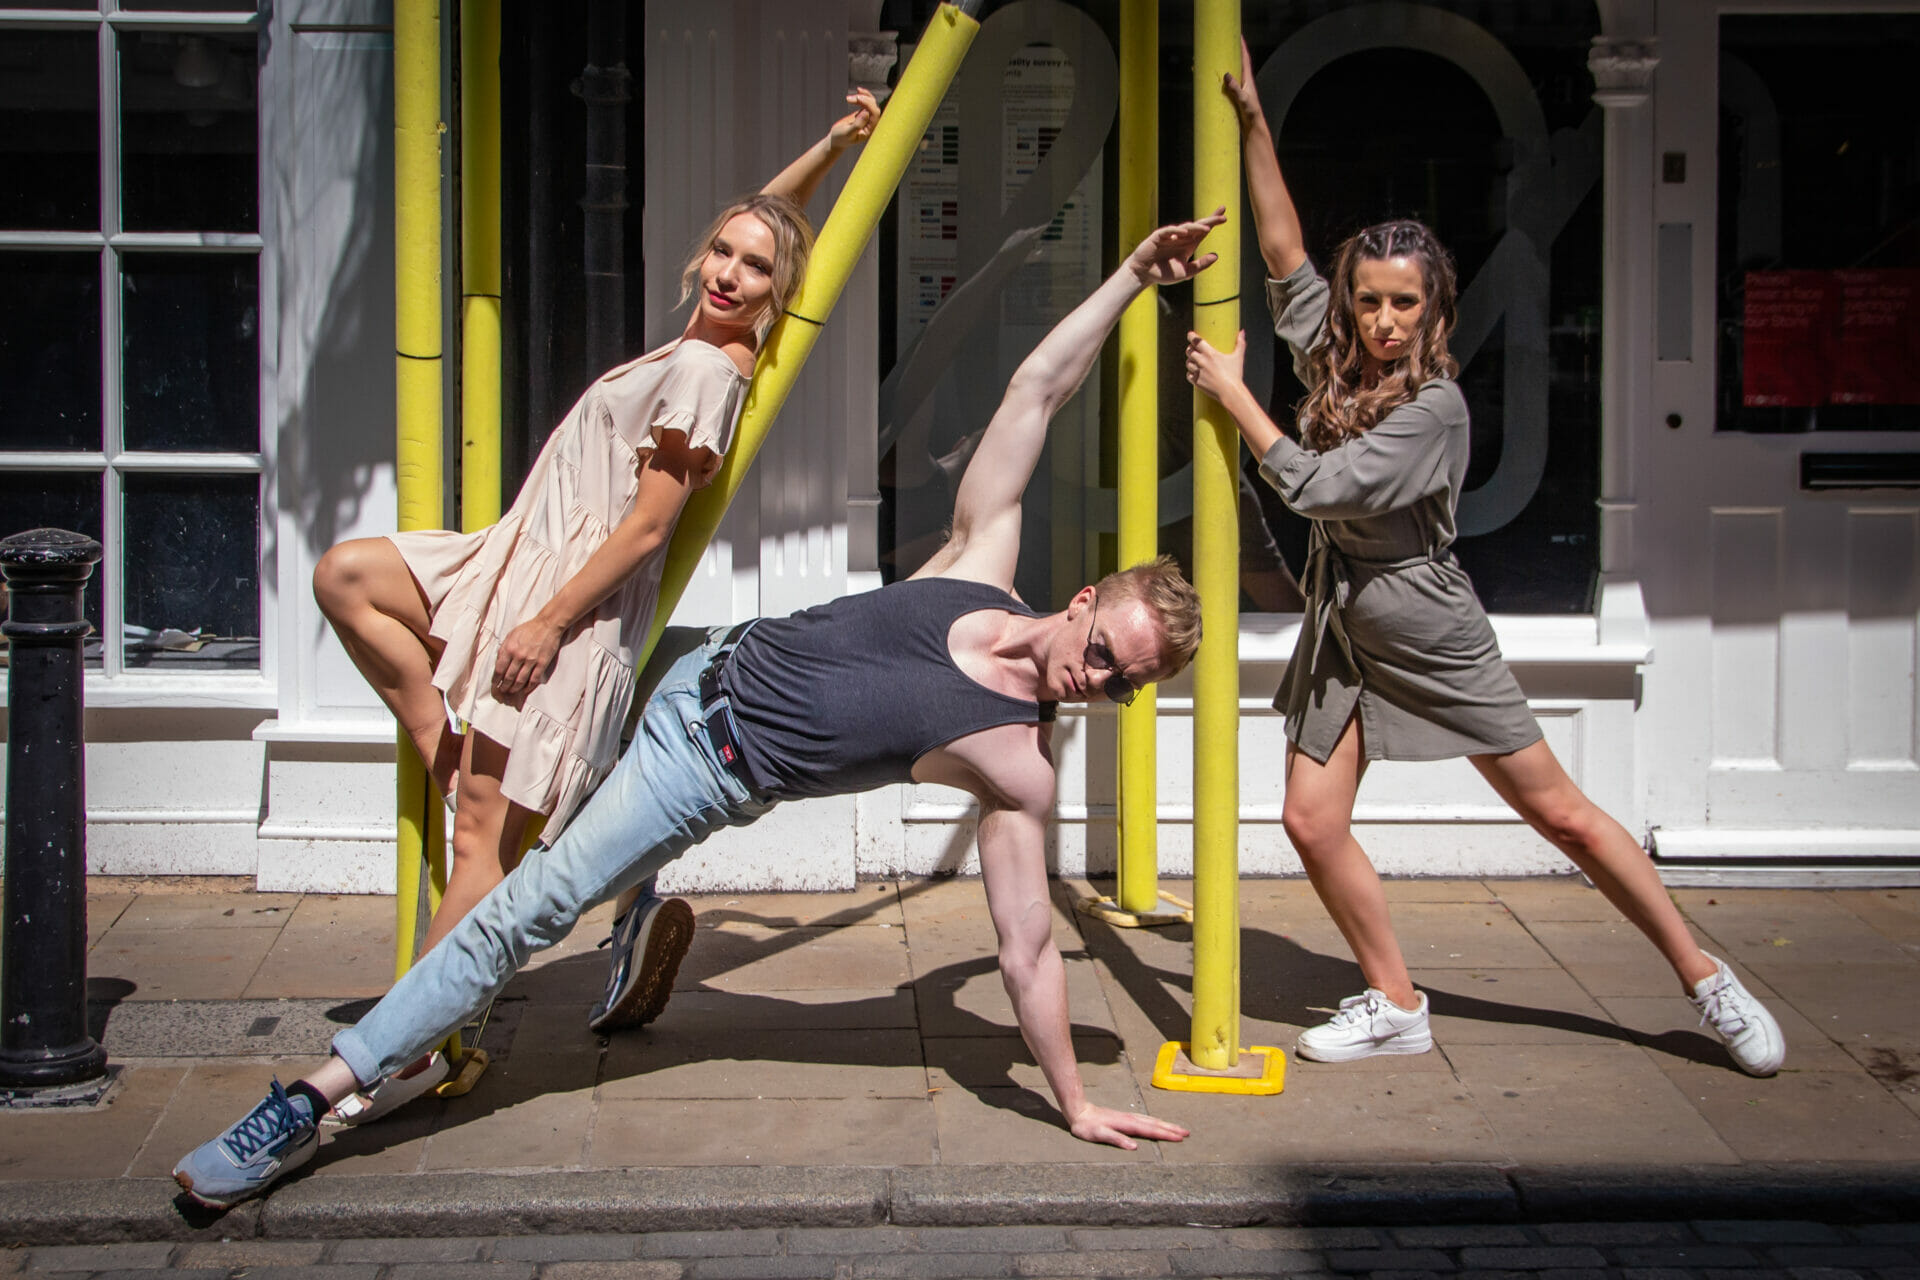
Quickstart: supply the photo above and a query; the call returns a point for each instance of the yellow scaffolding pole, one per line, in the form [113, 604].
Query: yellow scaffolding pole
[479, 263]
[1214, 1046]
[417, 374]
[883, 161]
[1137, 895]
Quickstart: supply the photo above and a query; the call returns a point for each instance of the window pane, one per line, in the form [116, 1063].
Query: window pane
[49, 131]
[193, 570]
[189, 6]
[188, 143]
[192, 352]
[50, 351]
[1819, 224]
[57, 500]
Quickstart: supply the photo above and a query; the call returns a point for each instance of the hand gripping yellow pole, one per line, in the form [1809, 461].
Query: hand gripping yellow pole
[417, 445]
[1215, 1043]
[869, 187]
[1138, 893]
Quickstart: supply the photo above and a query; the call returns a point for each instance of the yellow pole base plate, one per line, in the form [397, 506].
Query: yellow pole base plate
[1262, 1070]
[469, 1067]
[1108, 910]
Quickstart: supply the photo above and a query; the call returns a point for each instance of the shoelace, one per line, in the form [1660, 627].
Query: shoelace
[1722, 1007]
[1354, 1010]
[273, 1118]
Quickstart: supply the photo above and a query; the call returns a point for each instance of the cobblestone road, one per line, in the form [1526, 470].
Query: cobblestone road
[1569, 1251]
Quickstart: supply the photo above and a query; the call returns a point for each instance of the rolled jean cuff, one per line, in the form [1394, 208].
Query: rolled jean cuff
[352, 1050]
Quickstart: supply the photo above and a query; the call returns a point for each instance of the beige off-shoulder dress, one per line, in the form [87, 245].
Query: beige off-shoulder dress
[563, 735]
[1393, 632]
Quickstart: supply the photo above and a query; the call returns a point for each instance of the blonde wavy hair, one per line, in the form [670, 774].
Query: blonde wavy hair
[1339, 405]
[792, 245]
[1160, 585]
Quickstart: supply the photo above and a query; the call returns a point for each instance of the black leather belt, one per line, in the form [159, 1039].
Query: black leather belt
[716, 710]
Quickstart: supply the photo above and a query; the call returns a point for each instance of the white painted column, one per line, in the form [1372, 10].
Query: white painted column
[1623, 76]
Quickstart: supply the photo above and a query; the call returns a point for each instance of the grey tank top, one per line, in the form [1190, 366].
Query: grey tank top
[847, 695]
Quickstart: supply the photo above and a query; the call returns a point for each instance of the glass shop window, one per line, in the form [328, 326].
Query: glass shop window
[130, 356]
[1488, 132]
[1819, 224]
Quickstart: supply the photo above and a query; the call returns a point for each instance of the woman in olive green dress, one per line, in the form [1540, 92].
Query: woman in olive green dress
[1396, 659]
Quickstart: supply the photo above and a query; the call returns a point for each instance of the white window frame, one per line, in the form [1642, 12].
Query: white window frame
[112, 683]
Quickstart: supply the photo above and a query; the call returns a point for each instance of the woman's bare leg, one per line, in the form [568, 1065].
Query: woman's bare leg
[365, 590]
[487, 832]
[1532, 781]
[1319, 819]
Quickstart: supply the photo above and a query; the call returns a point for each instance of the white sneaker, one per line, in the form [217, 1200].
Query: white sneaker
[369, 1105]
[1752, 1036]
[1367, 1024]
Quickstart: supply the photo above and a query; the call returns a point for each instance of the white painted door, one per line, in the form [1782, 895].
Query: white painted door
[1779, 726]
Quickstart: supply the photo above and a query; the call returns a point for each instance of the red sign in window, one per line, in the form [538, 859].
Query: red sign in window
[1831, 337]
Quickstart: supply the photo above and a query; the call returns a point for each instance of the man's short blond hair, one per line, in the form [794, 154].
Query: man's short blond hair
[1159, 584]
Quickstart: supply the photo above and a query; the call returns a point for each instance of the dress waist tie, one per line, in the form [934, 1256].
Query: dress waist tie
[1329, 587]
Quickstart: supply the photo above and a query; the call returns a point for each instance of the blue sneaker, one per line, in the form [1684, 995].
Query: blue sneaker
[273, 1140]
[649, 942]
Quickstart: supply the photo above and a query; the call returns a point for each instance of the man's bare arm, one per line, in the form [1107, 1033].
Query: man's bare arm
[1013, 864]
[985, 542]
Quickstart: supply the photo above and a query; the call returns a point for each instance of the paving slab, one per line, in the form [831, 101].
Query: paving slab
[1465, 935]
[1894, 913]
[1670, 1026]
[98, 1142]
[777, 1131]
[149, 911]
[992, 1126]
[1852, 1003]
[180, 964]
[823, 1009]
[1514, 1006]
[756, 958]
[1597, 1104]
[1895, 1063]
[1610, 959]
[1568, 897]
[1801, 1115]
[531, 1111]
[1326, 1113]
[331, 945]
[1785, 927]
[872, 1063]
[874, 905]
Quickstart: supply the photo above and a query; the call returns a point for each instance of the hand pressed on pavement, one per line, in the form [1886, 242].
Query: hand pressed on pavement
[1120, 1128]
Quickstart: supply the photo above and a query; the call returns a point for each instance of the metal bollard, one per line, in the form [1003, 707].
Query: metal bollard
[43, 955]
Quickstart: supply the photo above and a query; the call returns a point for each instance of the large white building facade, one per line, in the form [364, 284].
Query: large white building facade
[1688, 234]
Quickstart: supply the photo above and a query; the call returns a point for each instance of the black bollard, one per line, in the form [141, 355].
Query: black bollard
[43, 954]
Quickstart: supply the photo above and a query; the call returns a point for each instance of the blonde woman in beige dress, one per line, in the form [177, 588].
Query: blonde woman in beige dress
[508, 654]
[1396, 659]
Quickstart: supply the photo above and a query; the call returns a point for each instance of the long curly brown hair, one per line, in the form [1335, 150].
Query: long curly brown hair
[1339, 405]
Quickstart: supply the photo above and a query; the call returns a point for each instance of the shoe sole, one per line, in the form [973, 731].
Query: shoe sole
[1396, 1045]
[663, 943]
[185, 1180]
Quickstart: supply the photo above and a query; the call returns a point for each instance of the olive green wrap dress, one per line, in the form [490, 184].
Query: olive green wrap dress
[1393, 630]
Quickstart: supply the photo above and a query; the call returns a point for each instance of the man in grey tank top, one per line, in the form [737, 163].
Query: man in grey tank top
[712, 750]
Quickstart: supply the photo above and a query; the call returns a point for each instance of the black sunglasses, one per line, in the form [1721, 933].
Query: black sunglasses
[1096, 655]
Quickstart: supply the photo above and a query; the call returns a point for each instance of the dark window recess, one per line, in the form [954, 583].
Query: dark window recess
[49, 131]
[189, 149]
[192, 551]
[1819, 224]
[57, 500]
[50, 351]
[192, 349]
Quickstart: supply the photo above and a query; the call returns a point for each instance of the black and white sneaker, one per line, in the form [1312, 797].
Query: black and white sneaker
[649, 942]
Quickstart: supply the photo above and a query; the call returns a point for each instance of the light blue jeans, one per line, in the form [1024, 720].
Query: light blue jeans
[668, 793]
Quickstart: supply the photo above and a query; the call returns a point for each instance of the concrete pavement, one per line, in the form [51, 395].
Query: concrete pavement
[850, 1060]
